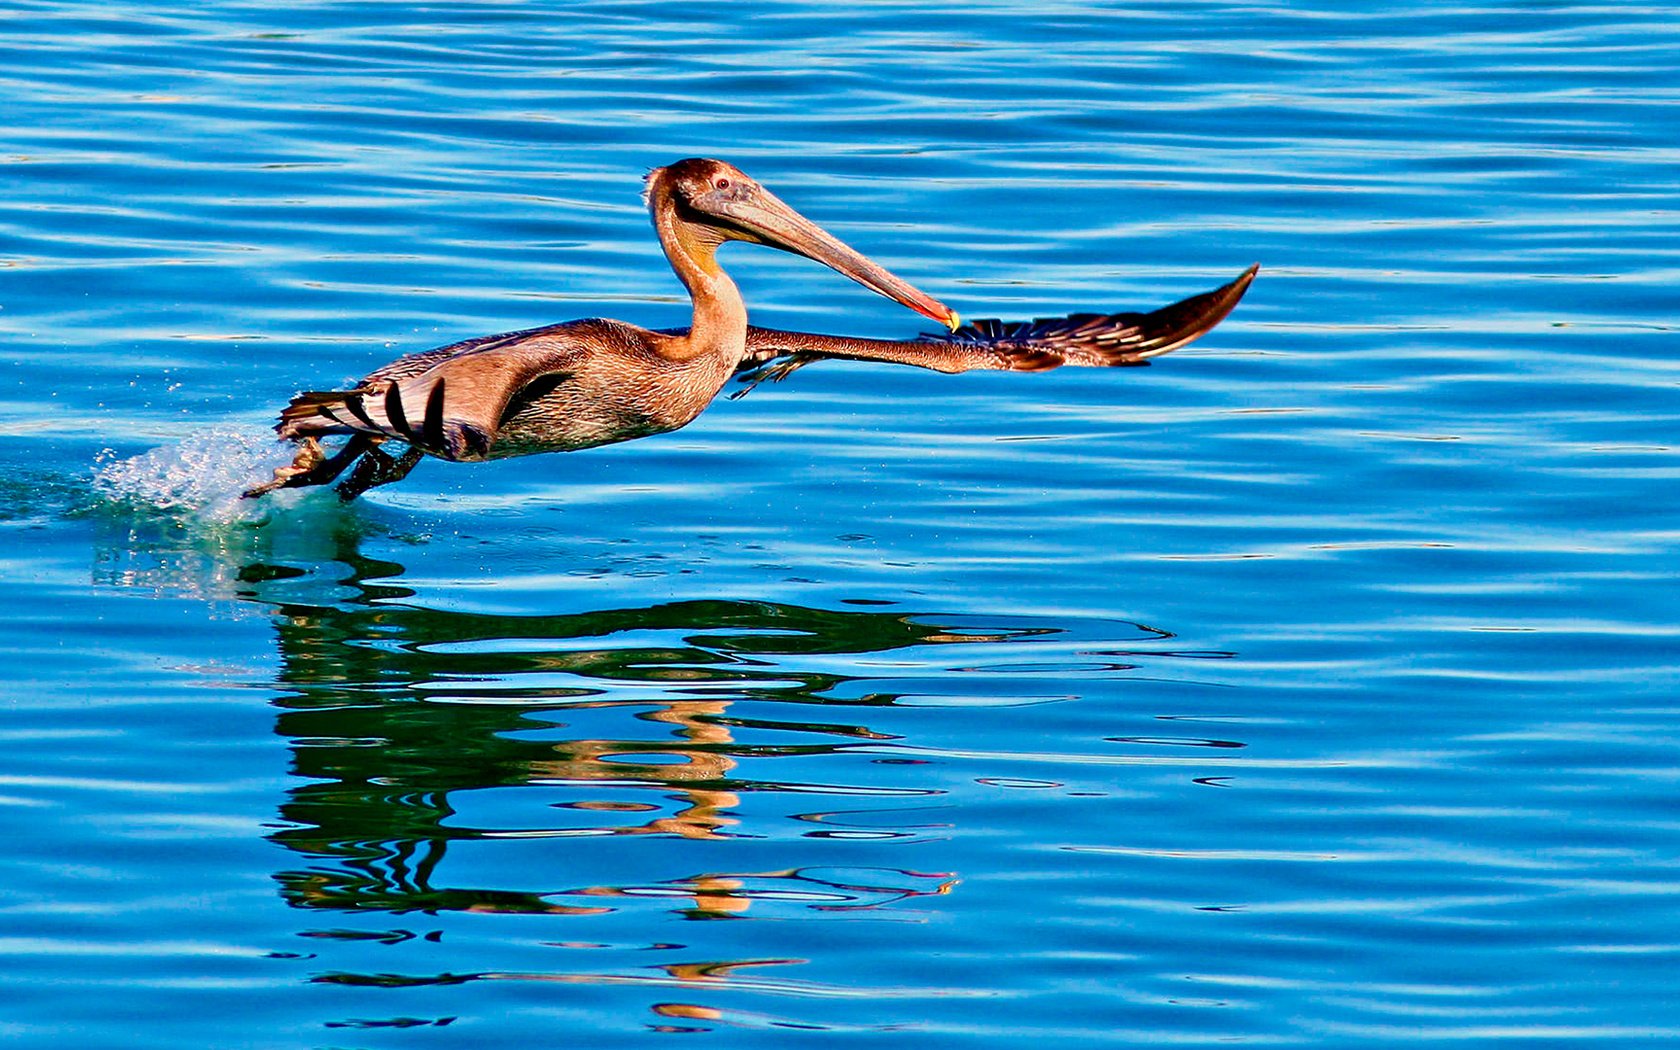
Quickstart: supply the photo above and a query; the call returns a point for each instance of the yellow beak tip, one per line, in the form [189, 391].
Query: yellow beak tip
[954, 321]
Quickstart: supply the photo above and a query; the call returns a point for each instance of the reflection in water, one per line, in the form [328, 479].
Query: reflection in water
[396, 711]
[408, 724]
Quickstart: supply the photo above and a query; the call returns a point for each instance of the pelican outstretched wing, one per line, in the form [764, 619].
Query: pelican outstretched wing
[1097, 340]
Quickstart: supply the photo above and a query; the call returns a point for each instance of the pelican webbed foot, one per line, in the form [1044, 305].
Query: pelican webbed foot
[376, 468]
[311, 466]
[773, 371]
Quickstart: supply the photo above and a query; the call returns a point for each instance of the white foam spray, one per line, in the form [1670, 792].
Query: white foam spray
[203, 474]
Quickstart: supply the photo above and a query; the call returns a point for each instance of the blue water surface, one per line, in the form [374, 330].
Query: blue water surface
[1315, 686]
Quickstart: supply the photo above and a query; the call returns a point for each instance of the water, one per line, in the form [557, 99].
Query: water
[1314, 686]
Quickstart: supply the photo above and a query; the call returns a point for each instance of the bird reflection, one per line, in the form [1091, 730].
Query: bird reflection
[398, 715]
[647, 731]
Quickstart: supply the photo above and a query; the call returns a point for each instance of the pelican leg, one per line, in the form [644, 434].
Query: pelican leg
[375, 468]
[312, 466]
[773, 371]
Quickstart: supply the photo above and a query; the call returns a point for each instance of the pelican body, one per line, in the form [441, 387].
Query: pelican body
[595, 382]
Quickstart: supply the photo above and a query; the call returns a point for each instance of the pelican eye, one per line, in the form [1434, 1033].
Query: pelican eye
[720, 183]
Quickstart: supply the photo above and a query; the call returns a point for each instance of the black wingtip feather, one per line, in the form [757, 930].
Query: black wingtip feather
[353, 402]
[394, 412]
[431, 431]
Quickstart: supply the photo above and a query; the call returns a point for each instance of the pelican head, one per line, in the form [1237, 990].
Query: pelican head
[718, 202]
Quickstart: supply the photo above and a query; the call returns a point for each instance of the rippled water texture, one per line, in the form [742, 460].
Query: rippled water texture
[1313, 686]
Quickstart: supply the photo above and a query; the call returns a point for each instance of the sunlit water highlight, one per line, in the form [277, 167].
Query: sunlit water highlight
[1312, 686]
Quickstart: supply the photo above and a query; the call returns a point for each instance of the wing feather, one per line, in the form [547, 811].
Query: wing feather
[460, 394]
[1093, 340]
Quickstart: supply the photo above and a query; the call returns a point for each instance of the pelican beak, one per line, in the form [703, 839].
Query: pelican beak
[760, 217]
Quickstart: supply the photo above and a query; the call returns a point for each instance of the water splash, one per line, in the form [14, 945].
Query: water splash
[204, 474]
[171, 522]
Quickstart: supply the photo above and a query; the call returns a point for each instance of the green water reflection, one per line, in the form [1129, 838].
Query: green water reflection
[727, 737]
[394, 711]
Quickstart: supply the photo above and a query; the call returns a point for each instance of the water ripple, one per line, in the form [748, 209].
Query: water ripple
[1337, 648]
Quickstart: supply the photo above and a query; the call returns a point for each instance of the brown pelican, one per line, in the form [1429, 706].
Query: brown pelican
[594, 382]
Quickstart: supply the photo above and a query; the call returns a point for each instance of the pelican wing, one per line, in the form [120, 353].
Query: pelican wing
[1098, 340]
[451, 401]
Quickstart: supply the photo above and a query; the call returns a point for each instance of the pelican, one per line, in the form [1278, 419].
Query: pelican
[595, 382]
